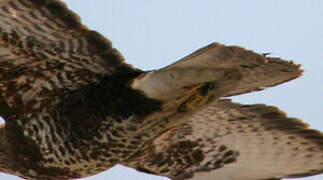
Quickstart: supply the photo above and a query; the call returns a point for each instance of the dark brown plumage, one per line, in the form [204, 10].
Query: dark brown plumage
[74, 108]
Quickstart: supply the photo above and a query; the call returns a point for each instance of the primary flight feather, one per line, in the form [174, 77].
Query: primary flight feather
[74, 108]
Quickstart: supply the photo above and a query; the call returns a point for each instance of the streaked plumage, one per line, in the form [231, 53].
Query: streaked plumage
[73, 108]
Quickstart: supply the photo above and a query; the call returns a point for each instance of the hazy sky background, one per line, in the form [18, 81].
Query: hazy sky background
[152, 34]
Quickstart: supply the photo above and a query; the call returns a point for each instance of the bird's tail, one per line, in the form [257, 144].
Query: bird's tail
[212, 72]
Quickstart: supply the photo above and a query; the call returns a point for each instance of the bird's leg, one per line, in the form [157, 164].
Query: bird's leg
[203, 92]
[199, 95]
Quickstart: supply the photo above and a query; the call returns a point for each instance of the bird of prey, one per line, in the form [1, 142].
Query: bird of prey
[74, 108]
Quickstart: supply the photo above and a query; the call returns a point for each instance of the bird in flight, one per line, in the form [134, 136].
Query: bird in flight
[74, 108]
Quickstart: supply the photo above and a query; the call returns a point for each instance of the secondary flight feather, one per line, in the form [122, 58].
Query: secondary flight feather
[74, 108]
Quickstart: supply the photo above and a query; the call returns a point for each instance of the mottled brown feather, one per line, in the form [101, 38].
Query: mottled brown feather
[73, 108]
[226, 140]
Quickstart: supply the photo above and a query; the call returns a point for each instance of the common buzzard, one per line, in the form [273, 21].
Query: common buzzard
[74, 108]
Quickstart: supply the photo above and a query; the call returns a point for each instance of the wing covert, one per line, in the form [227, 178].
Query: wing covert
[232, 141]
[45, 52]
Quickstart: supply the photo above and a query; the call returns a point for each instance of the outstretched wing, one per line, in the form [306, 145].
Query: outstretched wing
[45, 52]
[232, 141]
[220, 139]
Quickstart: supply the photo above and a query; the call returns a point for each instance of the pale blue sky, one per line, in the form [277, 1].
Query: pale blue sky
[152, 34]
